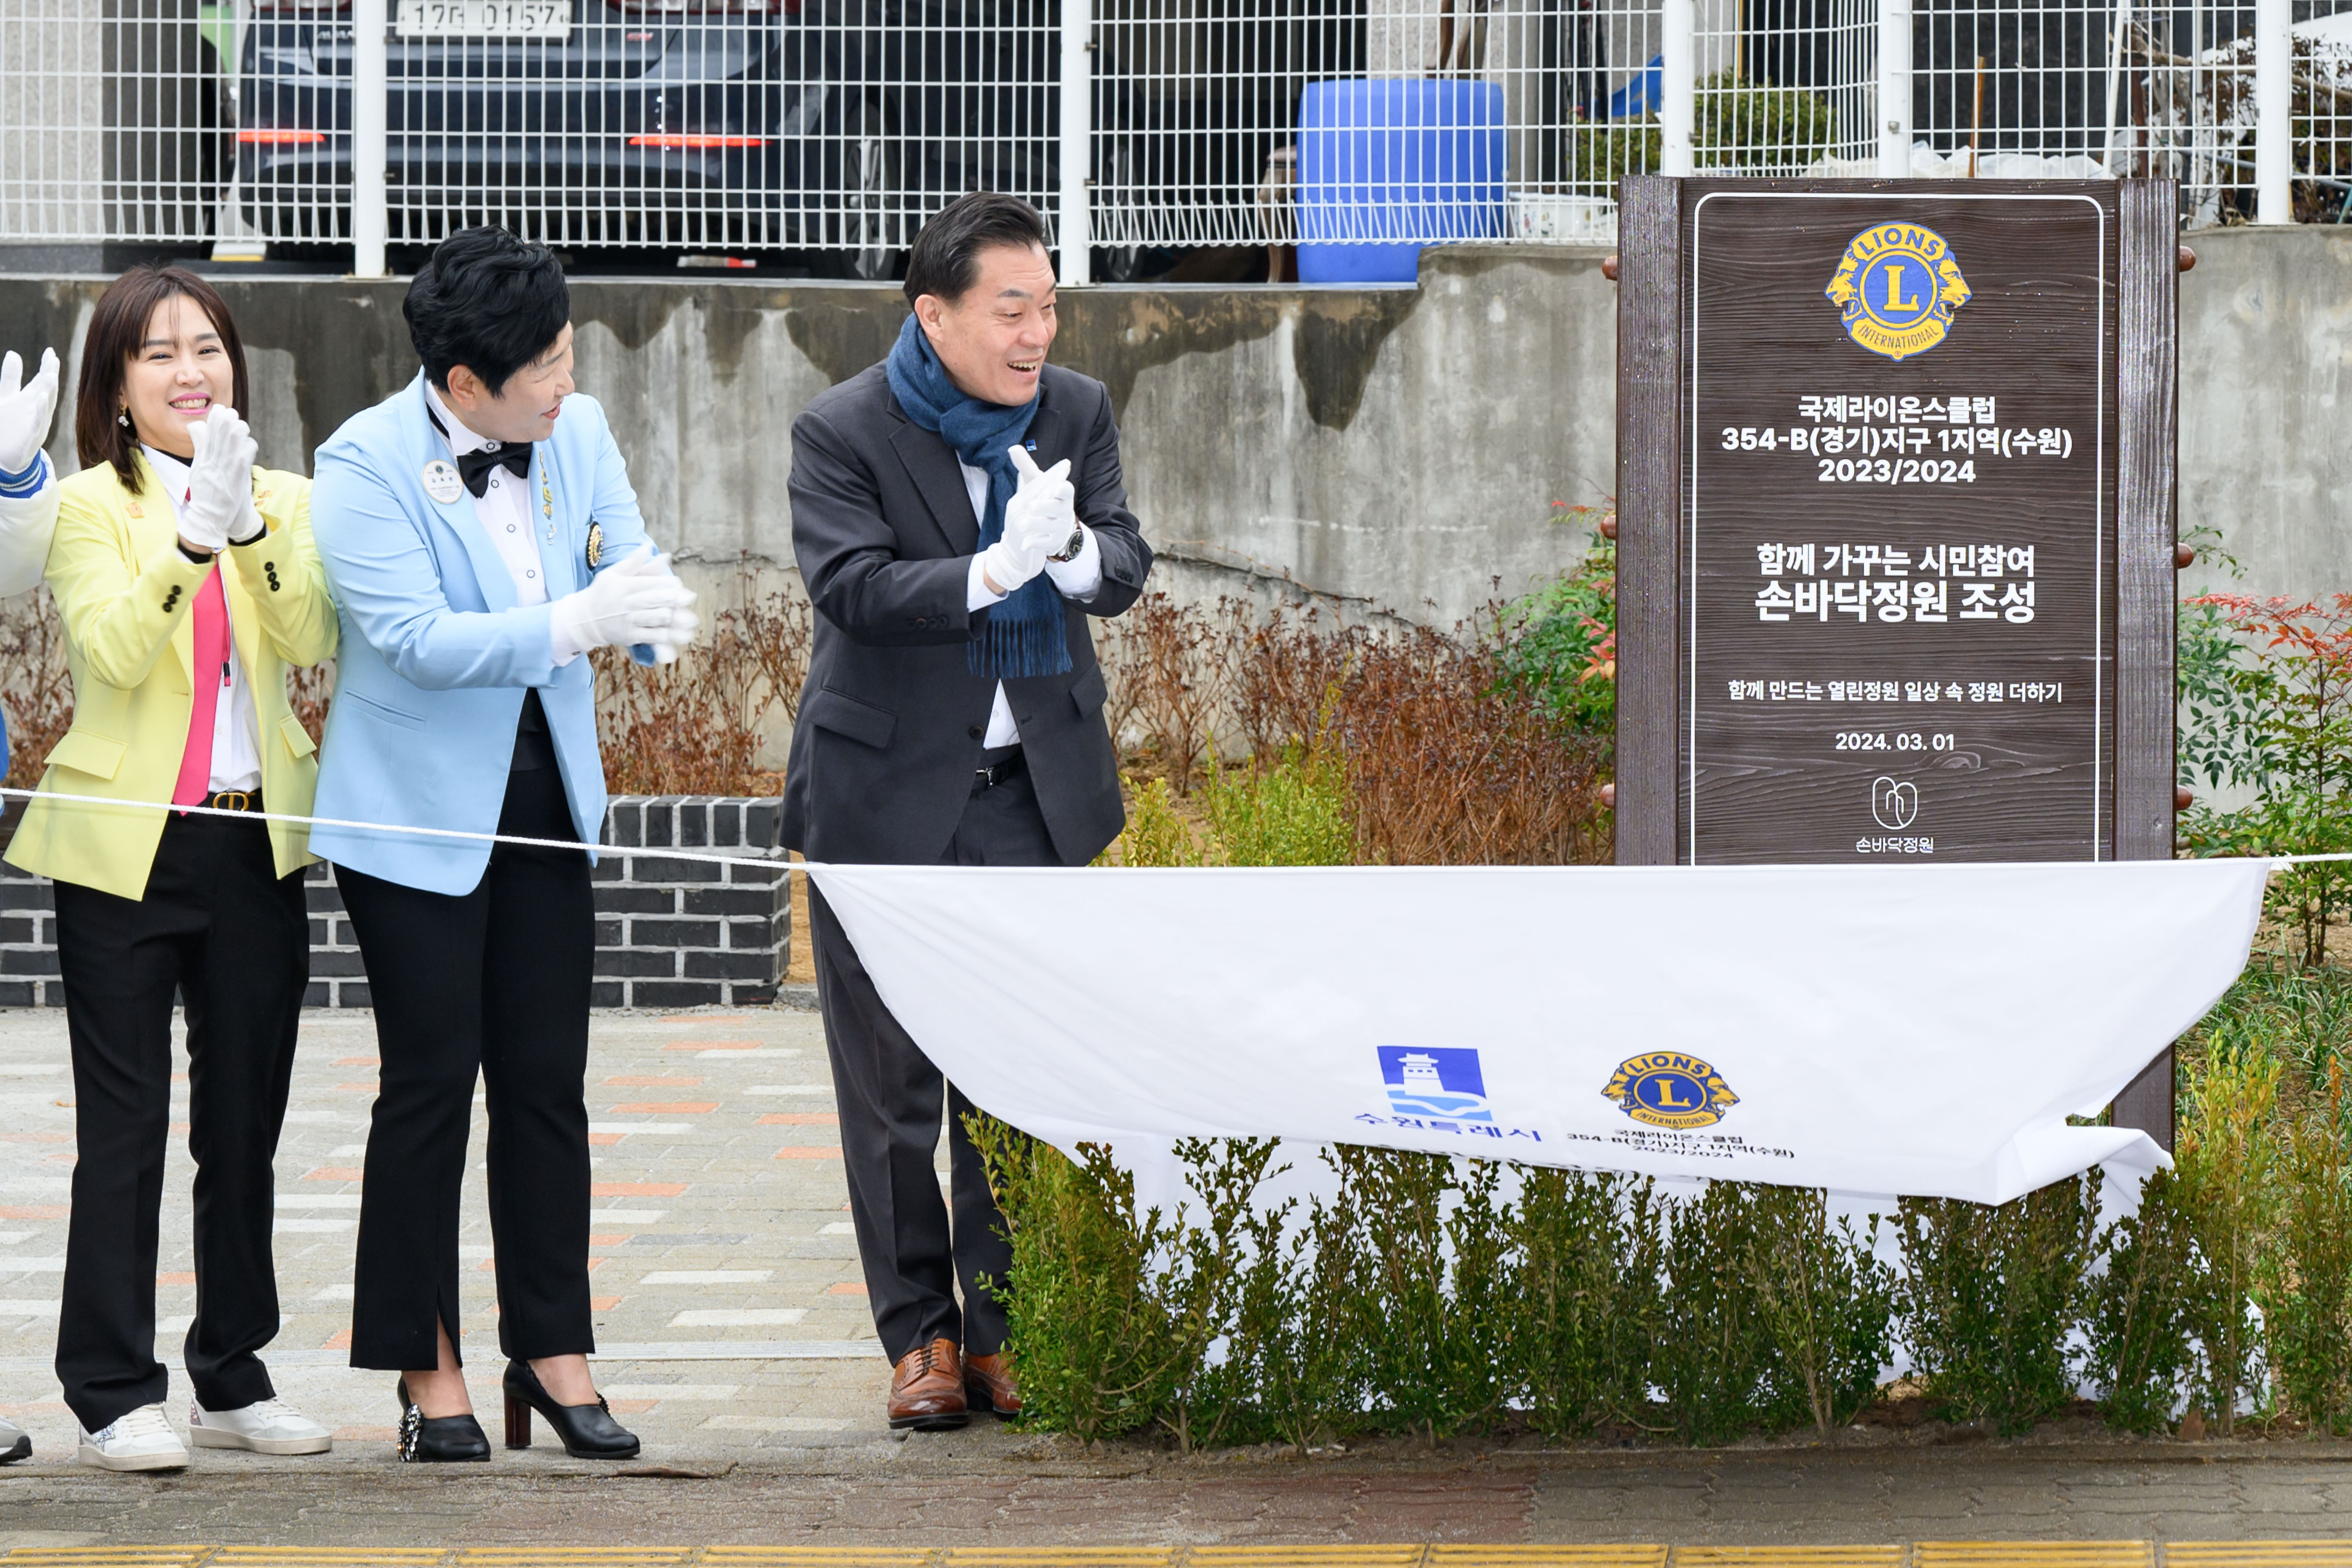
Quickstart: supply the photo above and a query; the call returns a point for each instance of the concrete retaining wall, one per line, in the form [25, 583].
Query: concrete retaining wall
[1402, 448]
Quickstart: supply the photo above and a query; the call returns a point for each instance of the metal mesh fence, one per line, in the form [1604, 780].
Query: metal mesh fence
[1785, 88]
[835, 127]
[114, 118]
[1334, 120]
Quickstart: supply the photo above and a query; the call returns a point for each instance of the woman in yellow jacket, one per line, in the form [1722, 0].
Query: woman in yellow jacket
[187, 584]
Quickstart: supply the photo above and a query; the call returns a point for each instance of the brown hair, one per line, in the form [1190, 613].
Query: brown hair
[116, 329]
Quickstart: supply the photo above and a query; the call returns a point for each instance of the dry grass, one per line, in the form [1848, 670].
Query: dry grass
[1446, 764]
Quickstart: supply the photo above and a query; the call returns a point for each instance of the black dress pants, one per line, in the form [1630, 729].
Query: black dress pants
[889, 1096]
[223, 929]
[493, 982]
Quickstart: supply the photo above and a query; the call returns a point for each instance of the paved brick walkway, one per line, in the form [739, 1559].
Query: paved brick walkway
[735, 1339]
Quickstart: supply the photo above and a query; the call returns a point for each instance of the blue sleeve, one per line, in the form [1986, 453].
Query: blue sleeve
[18, 487]
[384, 575]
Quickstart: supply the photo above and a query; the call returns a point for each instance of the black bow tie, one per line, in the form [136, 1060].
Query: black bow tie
[475, 467]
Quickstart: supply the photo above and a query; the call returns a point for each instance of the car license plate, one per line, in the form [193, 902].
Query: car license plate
[485, 19]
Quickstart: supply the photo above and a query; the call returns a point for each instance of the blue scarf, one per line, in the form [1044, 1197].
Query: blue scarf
[1022, 635]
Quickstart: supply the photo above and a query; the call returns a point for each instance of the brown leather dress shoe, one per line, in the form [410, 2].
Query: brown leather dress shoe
[927, 1389]
[988, 1385]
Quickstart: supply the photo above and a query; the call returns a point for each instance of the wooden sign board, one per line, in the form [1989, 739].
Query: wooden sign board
[1895, 528]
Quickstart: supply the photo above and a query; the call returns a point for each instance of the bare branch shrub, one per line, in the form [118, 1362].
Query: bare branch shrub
[35, 686]
[1447, 761]
[694, 727]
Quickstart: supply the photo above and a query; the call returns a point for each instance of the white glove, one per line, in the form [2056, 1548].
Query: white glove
[220, 482]
[1045, 507]
[683, 621]
[1045, 502]
[631, 602]
[26, 410]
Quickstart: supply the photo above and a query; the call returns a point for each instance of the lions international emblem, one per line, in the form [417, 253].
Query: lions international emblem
[1897, 286]
[1667, 1088]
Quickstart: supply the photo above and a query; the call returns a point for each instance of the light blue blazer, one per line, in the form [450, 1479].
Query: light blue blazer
[435, 651]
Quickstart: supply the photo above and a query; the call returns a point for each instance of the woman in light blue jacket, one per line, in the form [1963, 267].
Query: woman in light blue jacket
[480, 535]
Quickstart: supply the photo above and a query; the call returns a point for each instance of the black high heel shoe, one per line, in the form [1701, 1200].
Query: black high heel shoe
[439, 1439]
[588, 1431]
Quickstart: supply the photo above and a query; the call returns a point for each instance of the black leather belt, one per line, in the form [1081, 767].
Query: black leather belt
[235, 800]
[990, 777]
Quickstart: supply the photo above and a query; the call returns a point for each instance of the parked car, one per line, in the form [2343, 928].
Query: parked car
[638, 122]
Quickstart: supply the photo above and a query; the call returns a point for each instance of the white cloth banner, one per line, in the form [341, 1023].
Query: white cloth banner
[1917, 1030]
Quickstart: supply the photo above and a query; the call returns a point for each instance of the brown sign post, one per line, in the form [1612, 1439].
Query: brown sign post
[1895, 525]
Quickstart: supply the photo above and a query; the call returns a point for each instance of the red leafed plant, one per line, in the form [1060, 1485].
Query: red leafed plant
[2294, 691]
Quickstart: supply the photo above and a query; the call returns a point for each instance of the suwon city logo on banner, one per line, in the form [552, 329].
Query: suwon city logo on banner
[1439, 1088]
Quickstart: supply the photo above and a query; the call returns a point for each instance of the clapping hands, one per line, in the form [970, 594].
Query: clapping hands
[1038, 521]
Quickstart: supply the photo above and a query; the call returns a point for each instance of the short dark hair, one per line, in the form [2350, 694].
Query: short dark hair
[946, 257]
[117, 327]
[488, 302]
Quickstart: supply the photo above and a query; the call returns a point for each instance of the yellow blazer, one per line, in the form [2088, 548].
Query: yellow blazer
[126, 592]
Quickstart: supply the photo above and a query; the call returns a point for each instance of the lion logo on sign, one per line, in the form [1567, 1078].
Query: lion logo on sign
[1896, 288]
[1669, 1089]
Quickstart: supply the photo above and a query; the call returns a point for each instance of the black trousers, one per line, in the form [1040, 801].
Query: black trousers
[889, 1096]
[493, 982]
[223, 929]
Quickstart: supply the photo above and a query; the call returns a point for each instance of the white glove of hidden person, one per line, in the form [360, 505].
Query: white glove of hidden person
[1037, 522]
[633, 601]
[26, 409]
[220, 507]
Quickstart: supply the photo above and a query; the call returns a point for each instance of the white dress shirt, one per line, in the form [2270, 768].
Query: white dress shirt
[1078, 578]
[508, 518]
[236, 727]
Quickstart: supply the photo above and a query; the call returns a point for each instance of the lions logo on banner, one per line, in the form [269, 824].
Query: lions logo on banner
[1667, 1088]
[1899, 285]
[1435, 1080]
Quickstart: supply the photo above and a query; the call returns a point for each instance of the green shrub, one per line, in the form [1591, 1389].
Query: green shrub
[1592, 1266]
[1295, 812]
[1156, 833]
[1558, 643]
[2307, 1296]
[2225, 1175]
[1097, 1351]
[1429, 1302]
[2145, 1307]
[1712, 1353]
[1990, 1296]
[1827, 1302]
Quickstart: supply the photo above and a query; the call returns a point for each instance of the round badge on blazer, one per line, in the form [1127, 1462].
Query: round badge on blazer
[595, 545]
[441, 482]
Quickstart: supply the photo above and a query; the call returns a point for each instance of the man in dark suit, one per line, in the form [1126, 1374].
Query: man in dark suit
[958, 514]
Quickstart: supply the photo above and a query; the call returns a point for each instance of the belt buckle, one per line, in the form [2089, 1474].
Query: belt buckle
[244, 799]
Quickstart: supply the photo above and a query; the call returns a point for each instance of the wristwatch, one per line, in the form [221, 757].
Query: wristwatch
[1077, 542]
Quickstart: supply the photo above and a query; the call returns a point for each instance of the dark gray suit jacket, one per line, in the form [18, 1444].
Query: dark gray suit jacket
[890, 722]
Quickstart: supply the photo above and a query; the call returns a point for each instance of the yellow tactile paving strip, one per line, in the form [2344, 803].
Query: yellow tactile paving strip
[1788, 1557]
[2034, 1555]
[1921, 1554]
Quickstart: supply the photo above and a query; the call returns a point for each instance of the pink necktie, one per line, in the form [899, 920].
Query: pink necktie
[211, 653]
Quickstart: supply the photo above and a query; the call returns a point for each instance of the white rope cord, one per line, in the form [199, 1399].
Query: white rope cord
[663, 850]
[772, 859]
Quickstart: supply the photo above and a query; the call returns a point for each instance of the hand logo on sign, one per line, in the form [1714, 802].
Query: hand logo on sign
[1894, 804]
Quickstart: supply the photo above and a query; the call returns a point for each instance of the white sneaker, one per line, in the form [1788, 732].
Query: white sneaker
[14, 1443]
[142, 1440]
[266, 1427]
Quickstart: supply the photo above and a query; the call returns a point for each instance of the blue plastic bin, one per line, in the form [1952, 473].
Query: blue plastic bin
[1390, 158]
